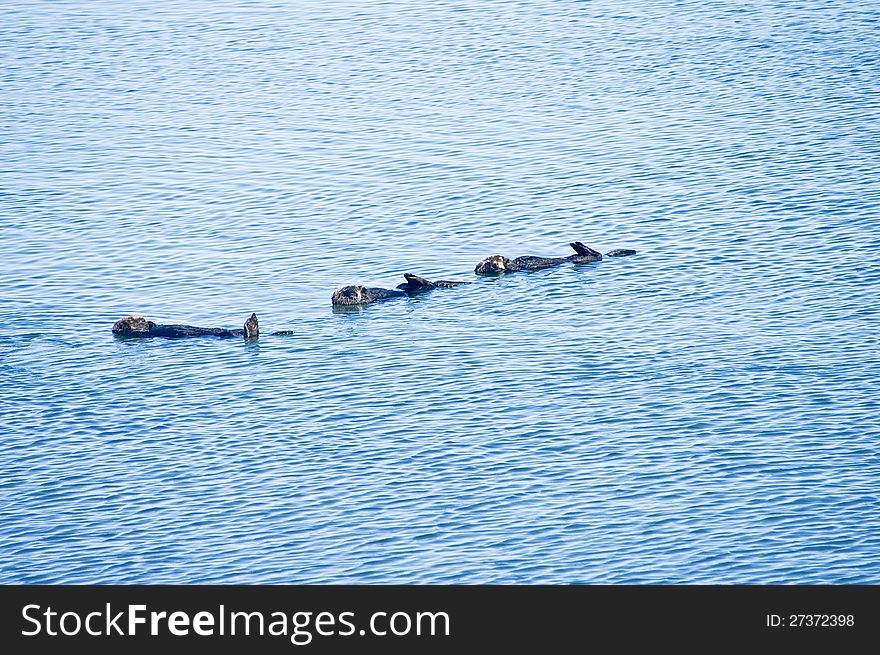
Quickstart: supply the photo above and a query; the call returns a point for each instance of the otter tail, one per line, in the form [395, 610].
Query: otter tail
[584, 251]
[414, 281]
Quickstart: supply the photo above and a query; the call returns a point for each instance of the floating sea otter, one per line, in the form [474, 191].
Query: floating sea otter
[138, 326]
[359, 295]
[496, 264]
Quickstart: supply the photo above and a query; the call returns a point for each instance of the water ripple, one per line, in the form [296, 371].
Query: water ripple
[705, 411]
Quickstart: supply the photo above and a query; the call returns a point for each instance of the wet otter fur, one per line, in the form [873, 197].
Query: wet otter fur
[356, 294]
[498, 264]
[139, 327]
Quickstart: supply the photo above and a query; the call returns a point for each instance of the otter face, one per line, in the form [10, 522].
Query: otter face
[133, 325]
[251, 327]
[351, 295]
[492, 265]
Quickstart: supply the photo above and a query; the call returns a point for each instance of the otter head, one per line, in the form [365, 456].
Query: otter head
[351, 295]
[492, 265]
[251, 327]
[133, 326]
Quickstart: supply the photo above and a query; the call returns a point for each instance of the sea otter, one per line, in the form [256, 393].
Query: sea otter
[138, 326]
[496, 264]
[360, 295]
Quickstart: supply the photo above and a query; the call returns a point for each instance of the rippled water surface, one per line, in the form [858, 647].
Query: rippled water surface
[704, 411]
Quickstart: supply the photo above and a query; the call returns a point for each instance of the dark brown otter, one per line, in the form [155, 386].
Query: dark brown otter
[359, 295]
[497, 264]
[138, 326]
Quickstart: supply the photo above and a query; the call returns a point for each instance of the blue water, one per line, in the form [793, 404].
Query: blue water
[705, 411]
